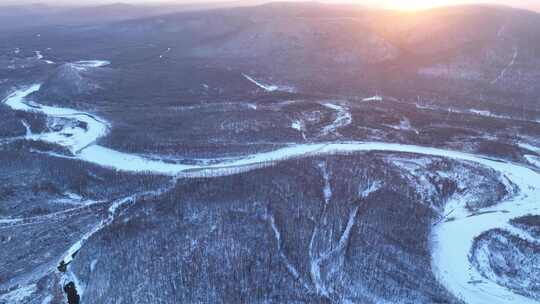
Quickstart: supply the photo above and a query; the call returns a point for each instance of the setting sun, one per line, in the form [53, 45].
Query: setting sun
[411, 5]
[415, 4]
[407, 5]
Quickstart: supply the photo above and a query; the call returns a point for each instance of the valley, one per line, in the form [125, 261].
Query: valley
[208, 168]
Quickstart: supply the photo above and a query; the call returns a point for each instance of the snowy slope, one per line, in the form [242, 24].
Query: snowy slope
[452, 239]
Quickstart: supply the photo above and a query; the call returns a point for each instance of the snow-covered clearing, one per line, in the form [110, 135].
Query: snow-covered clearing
[86, 64]
[532, 159]
[373, 98]
[343, 119]
[529, 147]
[39, 56]
[299, 126]
[268, 87]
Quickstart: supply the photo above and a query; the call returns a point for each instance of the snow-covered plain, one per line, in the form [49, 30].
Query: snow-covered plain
[452, 239]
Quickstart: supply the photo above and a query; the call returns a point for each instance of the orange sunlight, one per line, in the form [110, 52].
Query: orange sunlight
[416, 4]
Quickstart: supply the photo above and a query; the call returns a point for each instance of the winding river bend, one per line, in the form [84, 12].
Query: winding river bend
[451, 240]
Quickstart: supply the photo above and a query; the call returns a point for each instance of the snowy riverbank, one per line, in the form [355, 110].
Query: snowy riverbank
[452, 240]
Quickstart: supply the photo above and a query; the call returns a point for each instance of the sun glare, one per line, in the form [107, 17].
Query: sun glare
[411, 5]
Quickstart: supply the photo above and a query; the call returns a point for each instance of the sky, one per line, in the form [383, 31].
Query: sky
[418, 4]
[395, 4]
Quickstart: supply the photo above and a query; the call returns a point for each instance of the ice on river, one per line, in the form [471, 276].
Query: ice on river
[451, 240]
